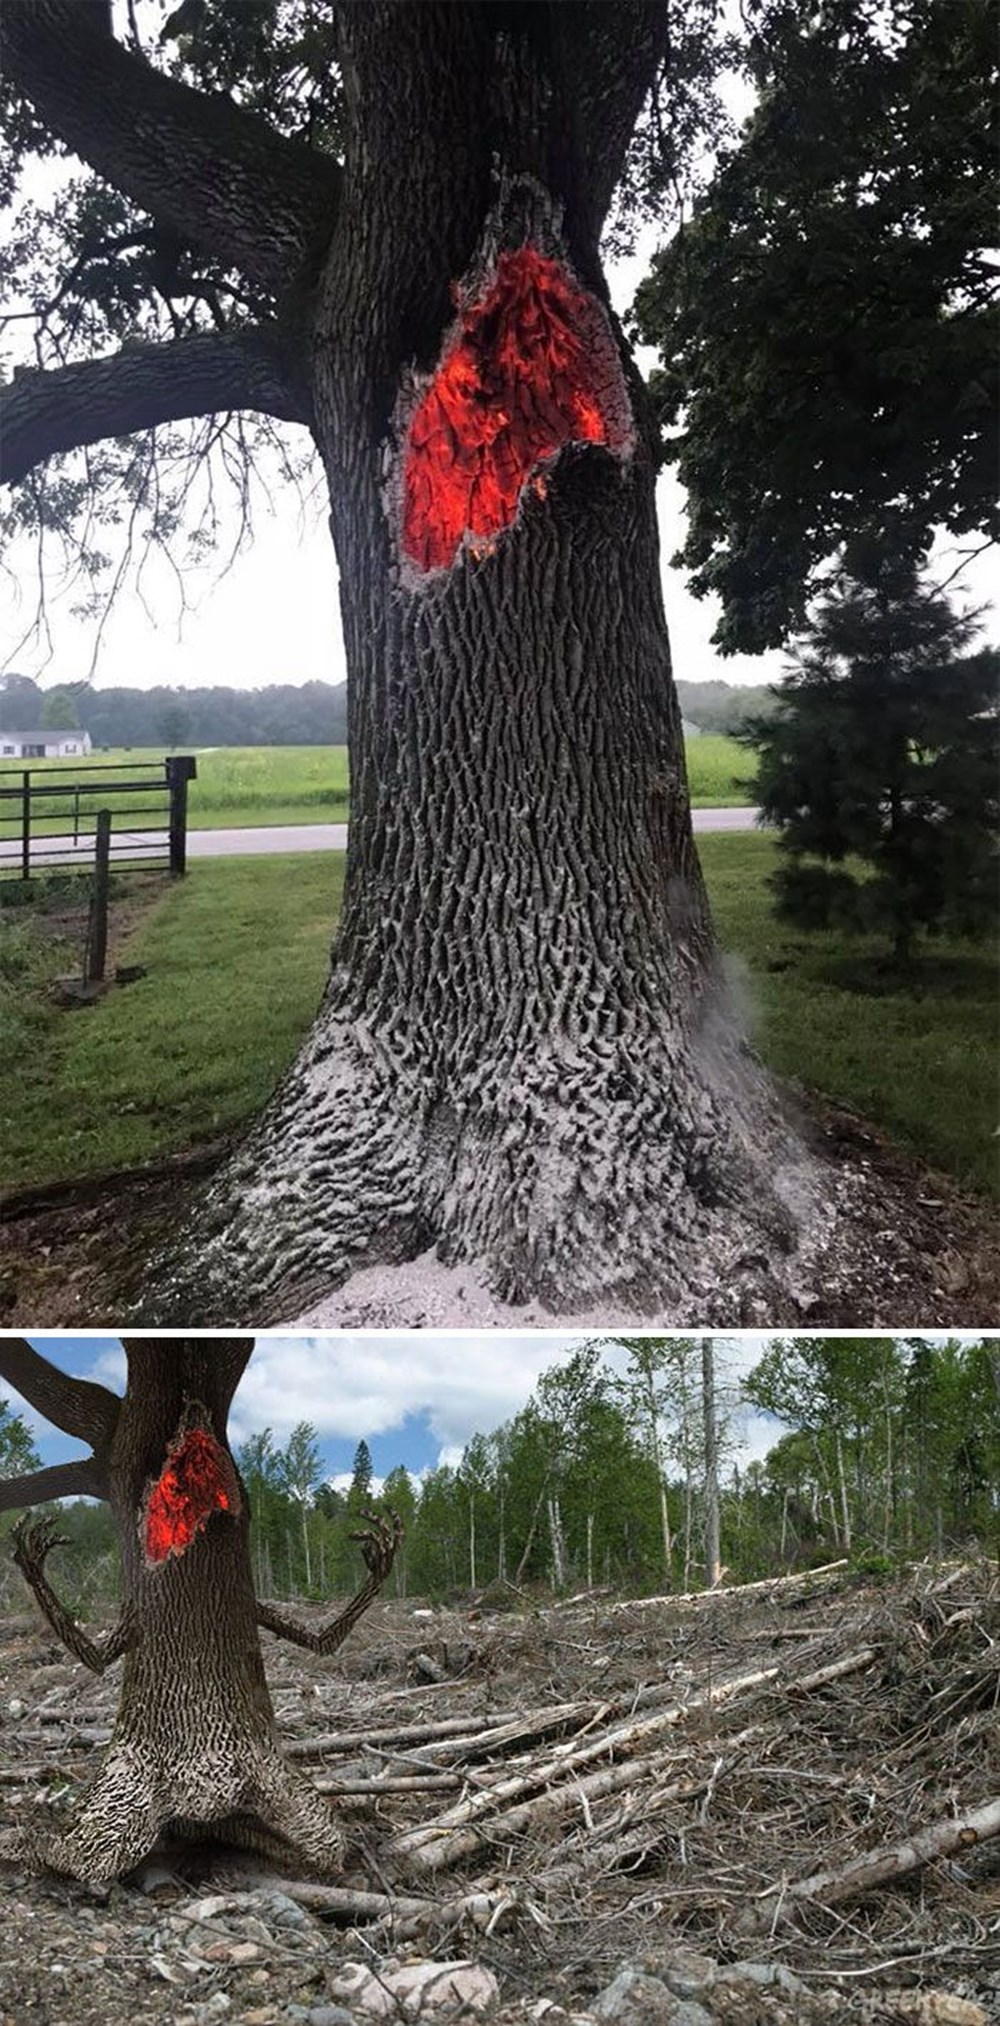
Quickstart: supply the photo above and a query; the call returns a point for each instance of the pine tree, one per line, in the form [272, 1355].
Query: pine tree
[883, 750]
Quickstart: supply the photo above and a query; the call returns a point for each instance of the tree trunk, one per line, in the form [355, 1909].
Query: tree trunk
[524, 1057]
[845, 1506]
[194, 1748]
[713, 1558]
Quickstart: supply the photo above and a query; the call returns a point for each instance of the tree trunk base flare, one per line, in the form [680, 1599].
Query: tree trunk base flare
[572, 1183]
[246, 1801]
[194, 1751]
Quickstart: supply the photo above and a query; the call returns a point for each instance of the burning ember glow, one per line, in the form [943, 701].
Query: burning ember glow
[516, 384]
[196, 1481]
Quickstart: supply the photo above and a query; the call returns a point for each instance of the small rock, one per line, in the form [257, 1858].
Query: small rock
[416, 1990]
[233, 1952]
[330, 2015]
[15, 1709]
[261, 2015]
[635, 1999]
[687, 1974]
[937, 2008]
[763, 1974]
[285, 1912]
[205, 1909]
[255, 1930]
[214, 2007]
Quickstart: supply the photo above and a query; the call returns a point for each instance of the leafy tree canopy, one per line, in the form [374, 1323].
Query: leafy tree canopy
[91, 270]
[827, 320]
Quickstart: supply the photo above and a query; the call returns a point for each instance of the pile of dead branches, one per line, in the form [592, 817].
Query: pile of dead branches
[763, 1770]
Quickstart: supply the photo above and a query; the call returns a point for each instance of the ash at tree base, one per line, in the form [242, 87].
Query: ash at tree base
[527, 373]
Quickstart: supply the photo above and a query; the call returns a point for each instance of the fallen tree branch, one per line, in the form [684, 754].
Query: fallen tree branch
[565, 1760]
[732, 1589]
[879, 1867]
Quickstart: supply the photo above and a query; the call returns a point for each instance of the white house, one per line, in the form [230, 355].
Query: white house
[43, 745]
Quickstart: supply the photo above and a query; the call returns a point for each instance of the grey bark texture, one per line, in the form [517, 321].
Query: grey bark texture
[524, 1057]
[194, 1750]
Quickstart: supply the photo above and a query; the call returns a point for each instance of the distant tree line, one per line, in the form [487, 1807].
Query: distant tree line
[281, 714]
[892, 1449]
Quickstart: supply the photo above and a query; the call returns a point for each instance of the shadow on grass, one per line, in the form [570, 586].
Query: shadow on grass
[929, 975]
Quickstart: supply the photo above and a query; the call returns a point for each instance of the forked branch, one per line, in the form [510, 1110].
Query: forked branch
[44, 413]
[34, 1540]
[215, 173]
[77, 1406]
[207, 1368]
[379, 1541]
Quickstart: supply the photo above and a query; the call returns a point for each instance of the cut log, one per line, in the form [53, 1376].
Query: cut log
[733, 1589]
[880, 1867]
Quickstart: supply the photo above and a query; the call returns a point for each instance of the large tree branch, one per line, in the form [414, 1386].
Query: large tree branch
[77, 1406]
[85, 1478]
[609, 54]
[42, 413]
[214, 173]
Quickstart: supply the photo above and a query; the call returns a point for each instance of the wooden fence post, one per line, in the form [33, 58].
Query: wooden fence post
[181, 768]
[97, 934]
[26, 824]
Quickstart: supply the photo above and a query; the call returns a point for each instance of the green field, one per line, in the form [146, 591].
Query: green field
[237, 956]
[241, 785]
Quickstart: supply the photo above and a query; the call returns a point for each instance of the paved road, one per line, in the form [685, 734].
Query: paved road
[265, 841]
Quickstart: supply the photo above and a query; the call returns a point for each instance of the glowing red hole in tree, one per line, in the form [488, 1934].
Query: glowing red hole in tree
[522, 378]
[196, 1481]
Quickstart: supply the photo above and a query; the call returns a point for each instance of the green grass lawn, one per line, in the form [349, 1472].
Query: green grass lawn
[237, 956]
[240, 785]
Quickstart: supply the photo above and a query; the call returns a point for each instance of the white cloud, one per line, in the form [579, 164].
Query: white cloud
[363, 1383]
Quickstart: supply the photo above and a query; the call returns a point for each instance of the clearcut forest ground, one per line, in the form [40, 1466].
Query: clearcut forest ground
[238, 785]
[652, 1801]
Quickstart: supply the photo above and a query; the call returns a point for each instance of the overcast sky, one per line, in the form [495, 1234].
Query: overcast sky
[416, 1396]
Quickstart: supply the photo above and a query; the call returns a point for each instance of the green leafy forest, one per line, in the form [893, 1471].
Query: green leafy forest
[618, 1468]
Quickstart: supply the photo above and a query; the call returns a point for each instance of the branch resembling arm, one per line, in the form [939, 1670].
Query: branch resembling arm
[379, 1541]
[84, 1479]
[77, 1406]
[43, 413]
[33, 1540]
[217, 174]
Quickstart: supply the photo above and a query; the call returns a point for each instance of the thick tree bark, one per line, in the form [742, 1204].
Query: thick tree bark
[524, 1056]
[194, 1749]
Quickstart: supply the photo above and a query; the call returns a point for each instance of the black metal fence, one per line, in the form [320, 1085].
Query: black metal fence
[48, 815]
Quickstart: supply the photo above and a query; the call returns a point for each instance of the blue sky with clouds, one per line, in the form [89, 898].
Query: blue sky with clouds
[416, 1396]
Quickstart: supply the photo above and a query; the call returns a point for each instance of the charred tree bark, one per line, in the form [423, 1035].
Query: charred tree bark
[524, 1057]
[194, 1750]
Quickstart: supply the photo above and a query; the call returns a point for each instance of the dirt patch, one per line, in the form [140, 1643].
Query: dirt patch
[591, 1798]
[909, 1250]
